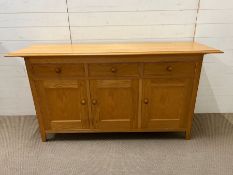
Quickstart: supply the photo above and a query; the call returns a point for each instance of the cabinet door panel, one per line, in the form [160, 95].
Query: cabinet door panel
[63, 103]
[114, 103]
[166, 102]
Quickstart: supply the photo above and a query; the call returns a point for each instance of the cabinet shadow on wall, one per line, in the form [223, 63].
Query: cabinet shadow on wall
[206, 101]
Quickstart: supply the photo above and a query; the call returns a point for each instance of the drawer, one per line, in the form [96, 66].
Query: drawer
[169, 69]
[58, 70]
[121, 69]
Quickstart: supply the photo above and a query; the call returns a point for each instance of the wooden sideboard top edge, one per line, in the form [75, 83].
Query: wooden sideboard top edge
[149, 48]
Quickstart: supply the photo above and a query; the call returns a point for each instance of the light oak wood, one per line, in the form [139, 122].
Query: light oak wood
[165, 102]
[114, 49]
[36, 102]
[114, 104]
[58, 70]
[114, 58]
[144, 87]
[193, 98]
[64, 104]
[169, 69]
[113, 69]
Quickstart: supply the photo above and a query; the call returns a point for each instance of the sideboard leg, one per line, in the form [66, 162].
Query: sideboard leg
[187, 134]
[43, 136]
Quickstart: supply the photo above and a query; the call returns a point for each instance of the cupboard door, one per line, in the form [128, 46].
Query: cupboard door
[114, 104]
[63, 104]
[165, 103]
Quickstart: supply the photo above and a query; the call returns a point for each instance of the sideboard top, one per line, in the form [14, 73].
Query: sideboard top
[150, 48]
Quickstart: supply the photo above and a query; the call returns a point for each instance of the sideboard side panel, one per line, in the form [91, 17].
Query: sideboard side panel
[36, 101]
[193, 97]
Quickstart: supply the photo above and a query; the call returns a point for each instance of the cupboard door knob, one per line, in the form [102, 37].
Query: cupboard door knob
[94, 102]
[169, 68]
[83, 102]
[146, 100]
[58, 70]
[114, 70]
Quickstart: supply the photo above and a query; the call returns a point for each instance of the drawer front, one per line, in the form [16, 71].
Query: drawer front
[121, 69]
[58, 70]
[169, 69]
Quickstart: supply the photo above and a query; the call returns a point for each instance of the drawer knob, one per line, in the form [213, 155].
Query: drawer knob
[58, 70]
[83, 102]
[169, 68]
[114, 70]
[146, 100]
[94, 101]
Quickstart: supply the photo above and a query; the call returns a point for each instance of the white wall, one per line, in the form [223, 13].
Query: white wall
[215, 28]
[23, 22]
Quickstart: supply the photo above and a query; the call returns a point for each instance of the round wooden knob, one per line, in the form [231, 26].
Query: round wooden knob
[83, 102]
[58, 70]
[94, 102]
[169, 68]
[146, 101]
[114, 70]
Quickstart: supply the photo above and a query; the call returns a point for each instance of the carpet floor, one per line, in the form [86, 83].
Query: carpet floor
[209, 152]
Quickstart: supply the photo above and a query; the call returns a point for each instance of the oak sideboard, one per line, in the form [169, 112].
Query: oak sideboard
[130, 87]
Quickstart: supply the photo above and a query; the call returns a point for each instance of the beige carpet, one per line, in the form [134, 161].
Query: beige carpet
[210, 152]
